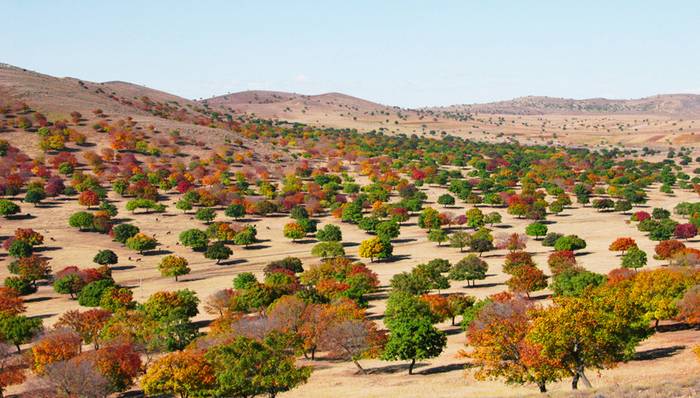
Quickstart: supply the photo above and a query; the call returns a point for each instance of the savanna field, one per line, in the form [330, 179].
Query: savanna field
[271, 244]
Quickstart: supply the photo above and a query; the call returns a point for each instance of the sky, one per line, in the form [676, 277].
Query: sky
[405, 53]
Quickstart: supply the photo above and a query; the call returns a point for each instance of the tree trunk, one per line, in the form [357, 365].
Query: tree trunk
[356, 364]
[175, 278]
[410, 367]
[453, 320]
[313, 353]
[574, 382]
[656, 325]
[19, 350]
[542, 386]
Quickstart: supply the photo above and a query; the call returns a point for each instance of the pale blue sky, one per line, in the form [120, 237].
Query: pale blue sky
[408, 53]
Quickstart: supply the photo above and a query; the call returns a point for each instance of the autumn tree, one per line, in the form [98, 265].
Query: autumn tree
[182, 373]
[55, 346]
[527, 279]
[87, 324]
[501, 349]
[375, 248]
[12, 368]
[622, 245]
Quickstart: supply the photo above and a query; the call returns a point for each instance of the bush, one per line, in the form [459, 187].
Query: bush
[82, 220]
[550, 239]
[8, 208]
[569, 242]
[218, 251]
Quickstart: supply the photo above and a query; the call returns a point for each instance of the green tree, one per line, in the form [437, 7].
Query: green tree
[247, 368]
[437, 235]
[175, 266]
[328, 249]
[634, 258]
[20, 249]
[122, 232]
[90, 295]
[141, 243]
[536, 229]
[569, 242]
[8, 208]
[195, 239]
[18, 329]
[413, 339]
[235, 211]
[218, 251]
[387, 230]
[82, 220]
[446, 200]
[205, 214]
[329, 233]
[459, 240]
[470, 268]
[574, 282]
[35, 196]
[105, 257]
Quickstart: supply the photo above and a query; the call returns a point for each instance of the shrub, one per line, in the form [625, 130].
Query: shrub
[91, 294]
[105, 257]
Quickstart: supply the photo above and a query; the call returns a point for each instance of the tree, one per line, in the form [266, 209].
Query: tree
[685, 231]
[429, 218]
[375, 248]
[480, 245]
[120, 233]
[81, 220]
[91, 294]
[409, 282]
[10, 302]
[387, 230]
[634, 258]
[689, 306]
[437, 235]
[561, 261]
[218, 251]
[580, 333]
[622, 245]
[55, 346]
[352, 339]
[20, 249]
[245, 237]
[446, 200]
[141, 243]
[244, 280]
[459, 240]
[475, 218]
[668, 249]
[206, 214]
[294, 231]
[235, 211]
[575, 282]
[33, 268]
[8, 208]
[247, 367]
[656, 293]
[172, 265]
[184, 205]
[328, 249]
[105, 257]
[87, 324]
[18, 329]
[550, 239]
[493, 218]
[183, 373]
[69, 284]
[432, 274]
[527, 279]
[570, 242]
[88, 198]
[12, 368]
[75, 377]
[413, 339]
[536, 229]
[501, 348]
[195, 239]
[329, 233]
[470, 268]
[35, 196]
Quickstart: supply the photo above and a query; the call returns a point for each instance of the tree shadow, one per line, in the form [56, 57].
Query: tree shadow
[479, 285]
[234, 262]
[159, 252]
[579, 254]
[304, 241]
[503, 226]
[543, 296]
[42, 316]
[27, 216]
[392, 369]
[38, 299]
[394, 258]
[255, 247]
[404, 240]
[122, 267]
[656, 353]
[445, 368]
[40, 249]
[350, 244]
